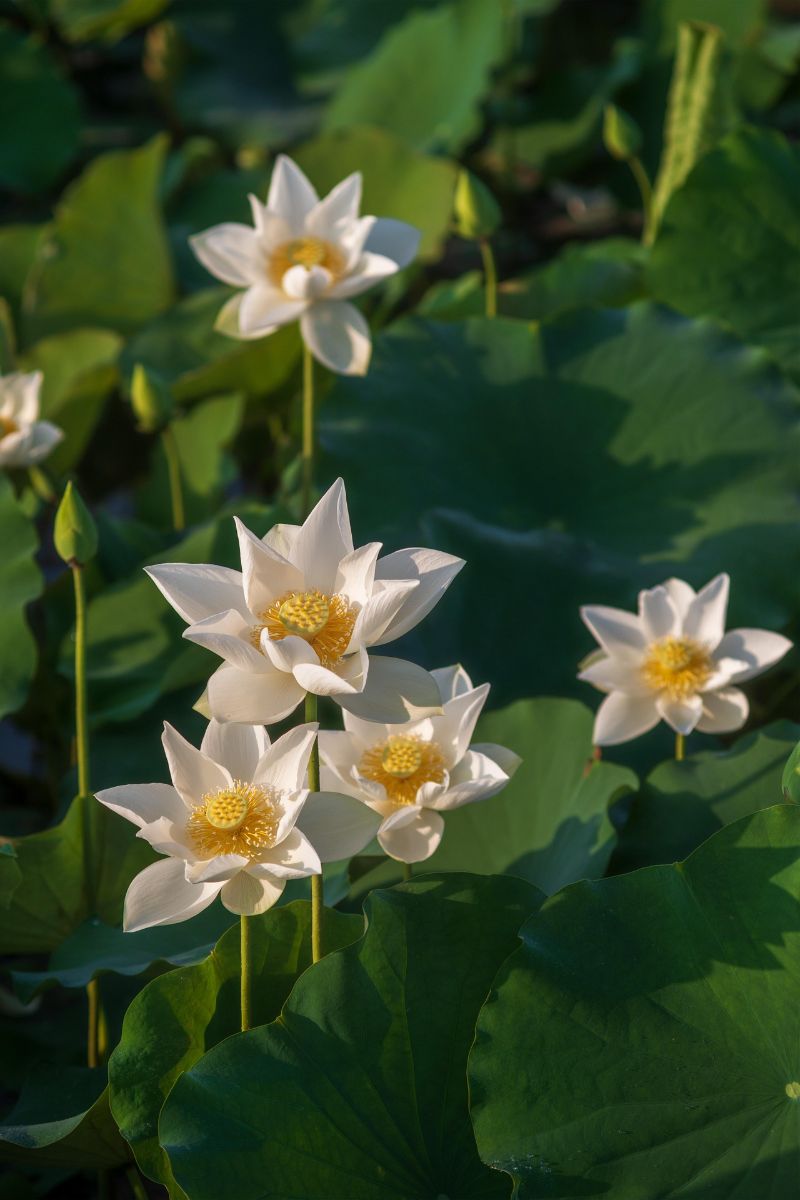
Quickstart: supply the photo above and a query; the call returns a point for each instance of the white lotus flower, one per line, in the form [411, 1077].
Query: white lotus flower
[24, 439]
[301, 614]
[228, 823]
[303, 260]
[674, 662]
[408, 775]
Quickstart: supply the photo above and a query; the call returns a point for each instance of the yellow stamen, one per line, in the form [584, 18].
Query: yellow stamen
[241, 819]
[402, 764]
[325, 622]
[7, 426]
[677, 666]
[305, 252]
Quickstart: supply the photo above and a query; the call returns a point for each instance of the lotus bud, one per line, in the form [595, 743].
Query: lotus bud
[151, 400]
[622, 137]
[476, 210]
[75, 534]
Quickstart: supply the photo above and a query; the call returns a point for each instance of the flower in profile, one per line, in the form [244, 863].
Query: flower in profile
[301, 615]
[408, 775]
[228, 823]
[24, 439]
[674, 662]
[304, 259]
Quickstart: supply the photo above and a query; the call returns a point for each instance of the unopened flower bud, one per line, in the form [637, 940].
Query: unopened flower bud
[622, 137]
[477, 212]
[75, 534]
[151, 400]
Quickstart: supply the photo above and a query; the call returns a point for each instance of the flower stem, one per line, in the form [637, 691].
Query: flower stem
[308, 431]
[646, 192]
[84, 793]
[244, 928]
[42, 485]
[174, 470]
[490, 276]
[408, 872]
[680, 747]
[135, 1180]
[317, 902]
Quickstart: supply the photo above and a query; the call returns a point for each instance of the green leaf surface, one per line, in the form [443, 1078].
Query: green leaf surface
[584, 426]
[10, 874]
[440, 62]
[19, 245]
[361, 1083]
[729, 246]
[550, 824]
[62, 1119]
[79, 370]
[106, 262]
[20, 582]
[96, 948]
[39, 98]
[51, 900]
[183, 348]
[683, 803]
[203, 437]
[399, 182]
[643, 1041]
[179, 1016]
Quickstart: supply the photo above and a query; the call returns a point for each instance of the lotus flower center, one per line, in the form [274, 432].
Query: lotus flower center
[226, 810]
[401, 757]
[402, 764]
[305, 614]
[240, 819]
[7, 426]
[678, 666]
[325, 622]
[305, 252]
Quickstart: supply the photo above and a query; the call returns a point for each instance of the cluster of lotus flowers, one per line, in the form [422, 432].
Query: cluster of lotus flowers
[307, 608]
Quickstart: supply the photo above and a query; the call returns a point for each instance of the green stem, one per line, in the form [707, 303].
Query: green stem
[135, 1180]
[244, 926]
[490, 276]
[680, 747]
[646, 192]
[93, 1031]
[308, 432]
[174, 470]
[317, 902]
[408, 872]
[42, 485]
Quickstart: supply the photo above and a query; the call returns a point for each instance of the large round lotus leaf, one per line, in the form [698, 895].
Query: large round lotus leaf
[426, 78]
[550, 824]
[62, 1119]
[162, 1035]
[729, 245]
[359, 1088]
[569, 465]
[645, 1040]
[682, 803]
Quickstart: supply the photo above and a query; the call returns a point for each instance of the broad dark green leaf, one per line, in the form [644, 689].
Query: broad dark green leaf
[583, 428]
[399, 182]
[729, 245]
[62, 1119]
[19, 245]
[10, 874]
[109, 20]
[40, 114]
[360, 1084]
[20, 582]
[682, 803]
[52, 900]
[550, 824]
[179, 1016]
[440, 63]
[106, 262]
[644, 1039]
